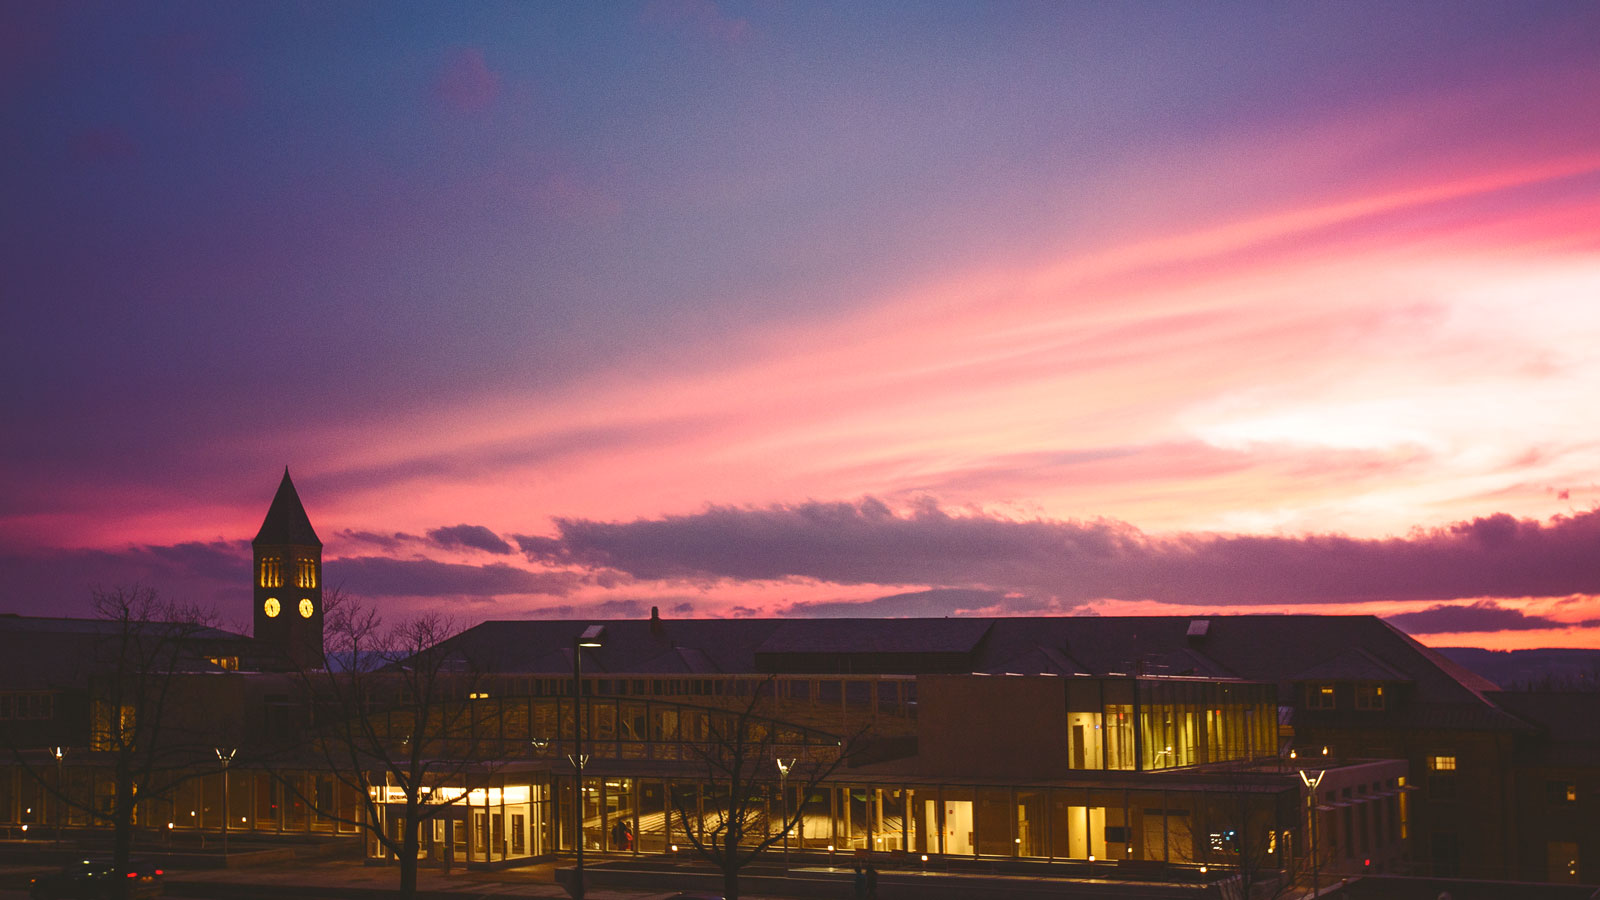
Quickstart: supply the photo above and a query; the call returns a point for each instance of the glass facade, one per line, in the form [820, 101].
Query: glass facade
[1114, 723]
[1148, 724]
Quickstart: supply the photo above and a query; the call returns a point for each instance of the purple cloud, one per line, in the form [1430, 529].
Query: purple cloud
[476, 537]
[698, 17]
[467, 84]
[1484, 615]
[104, 145]
[390, 542]
[381, 576]
[59, 583]
[934, 602]
[192, 73]
[1062, 564]
[217, 575]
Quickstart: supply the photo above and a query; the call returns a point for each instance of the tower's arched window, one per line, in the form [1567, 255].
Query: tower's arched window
[306, 576]
[271, 572]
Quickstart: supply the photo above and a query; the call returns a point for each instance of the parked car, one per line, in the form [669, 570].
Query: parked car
[98, 879]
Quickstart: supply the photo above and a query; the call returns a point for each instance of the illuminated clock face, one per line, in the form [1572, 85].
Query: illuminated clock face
[271, 607]
[306, 609]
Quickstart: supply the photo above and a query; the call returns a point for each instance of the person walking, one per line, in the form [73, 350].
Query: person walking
[860, 883]
[872, 882]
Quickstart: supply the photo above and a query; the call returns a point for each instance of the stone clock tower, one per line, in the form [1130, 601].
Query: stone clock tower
[288, 582]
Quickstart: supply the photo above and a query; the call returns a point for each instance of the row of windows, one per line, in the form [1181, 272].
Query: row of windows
[257, 801]
[269, 572]
[29, 705]
[893, 696]
[1368, 696]
[1108, 826]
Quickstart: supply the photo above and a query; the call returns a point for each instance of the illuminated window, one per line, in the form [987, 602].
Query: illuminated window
[226, 663]
[1319, 696]
[306, 573]
[271, 572]
[1369, 696]
[1442, 763]
[1561, 792]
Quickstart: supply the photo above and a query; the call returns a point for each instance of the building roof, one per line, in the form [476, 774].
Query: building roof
[286, 521]
[876, 636]
[1352, 664]
[38, 653]
[1268, 648]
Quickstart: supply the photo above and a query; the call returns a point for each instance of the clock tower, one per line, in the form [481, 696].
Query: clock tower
[288, 581]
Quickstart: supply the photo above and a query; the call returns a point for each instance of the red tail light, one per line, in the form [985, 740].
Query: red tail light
[133, 874]
[158, 871]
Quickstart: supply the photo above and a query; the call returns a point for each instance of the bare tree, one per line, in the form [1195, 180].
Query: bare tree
[393, 724]
[150, 725]
[1247, 842]
[737, 753]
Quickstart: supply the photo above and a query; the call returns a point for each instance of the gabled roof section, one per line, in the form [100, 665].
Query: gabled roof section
[287, 522]
[1468, 679]
[1351, 664]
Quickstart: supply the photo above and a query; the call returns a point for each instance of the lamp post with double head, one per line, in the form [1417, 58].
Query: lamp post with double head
[61, 793]
[1312, 783]
[592, 637]
[784, 765]
[226, 756]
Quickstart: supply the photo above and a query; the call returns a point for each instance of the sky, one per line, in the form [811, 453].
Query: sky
[789, 309]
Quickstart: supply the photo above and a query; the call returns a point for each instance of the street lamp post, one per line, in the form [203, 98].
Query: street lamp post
[1311, 812]
[592, 637]
[61, 794]
[226, 756]
[783, 788]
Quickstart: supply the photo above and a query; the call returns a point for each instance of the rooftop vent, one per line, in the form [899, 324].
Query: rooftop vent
[1198, 629]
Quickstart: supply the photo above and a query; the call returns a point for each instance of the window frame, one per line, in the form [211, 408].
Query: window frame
[1318, 691]
[1366, 693]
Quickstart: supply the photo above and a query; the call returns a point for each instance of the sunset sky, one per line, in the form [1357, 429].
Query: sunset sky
[773, 308]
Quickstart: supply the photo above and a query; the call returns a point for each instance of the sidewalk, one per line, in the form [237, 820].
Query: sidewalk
[351, 880]
[356, 881]
[348, 878]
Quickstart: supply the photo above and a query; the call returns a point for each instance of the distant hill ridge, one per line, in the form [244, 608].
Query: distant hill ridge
[1552, 668]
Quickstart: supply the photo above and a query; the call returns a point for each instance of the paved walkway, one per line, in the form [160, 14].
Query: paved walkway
[350, 878]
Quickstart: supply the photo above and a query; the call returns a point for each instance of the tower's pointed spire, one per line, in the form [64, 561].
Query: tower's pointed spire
[287, 522]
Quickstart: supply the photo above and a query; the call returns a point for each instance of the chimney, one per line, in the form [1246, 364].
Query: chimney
[655, 620]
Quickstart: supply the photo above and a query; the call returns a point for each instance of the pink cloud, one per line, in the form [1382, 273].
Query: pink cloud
[467, 84]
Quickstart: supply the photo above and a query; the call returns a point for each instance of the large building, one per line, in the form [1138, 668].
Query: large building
[1150, 746]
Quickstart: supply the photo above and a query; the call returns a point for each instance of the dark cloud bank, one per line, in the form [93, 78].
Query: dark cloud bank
[1070, 563]
[1484, 615]
[218, 575]
[963, 562]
